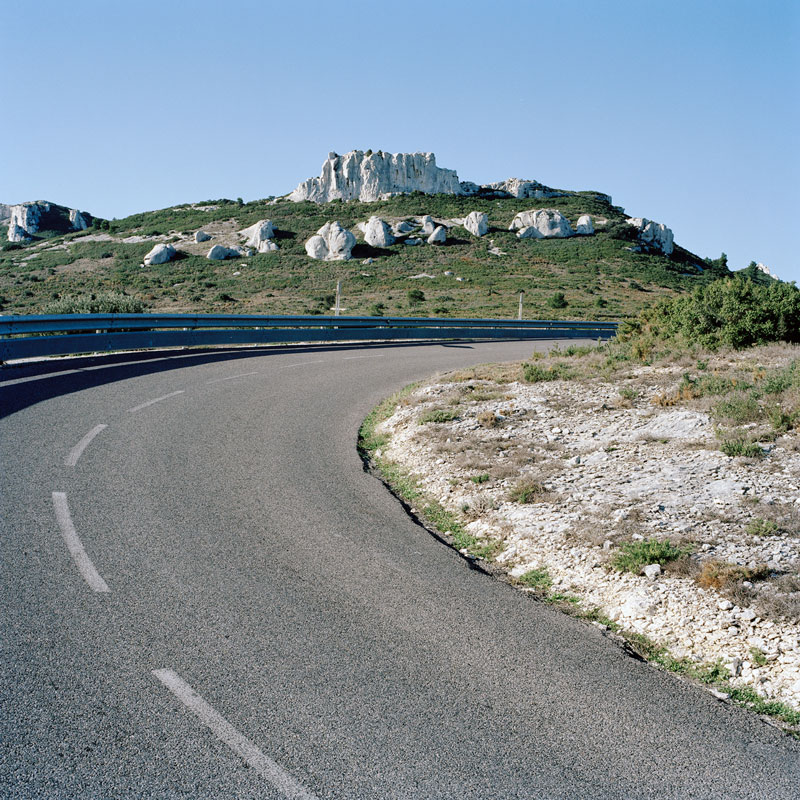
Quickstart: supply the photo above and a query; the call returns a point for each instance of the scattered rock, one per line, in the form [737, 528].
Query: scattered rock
[543, 223]
[413, 242]
[258, 232]
[219, 252]
[584, 225]
[652, 571]
[438, 236]
[201, 236]
[427, 224]
[377, 233]
[267, 246]
[403, 227]
[331, 243]
[477, 223]
[160, 254]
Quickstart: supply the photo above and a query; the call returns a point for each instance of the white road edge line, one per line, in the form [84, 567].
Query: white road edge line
[303, 363]
[82, 561]
[156, 400]
[72, 457]
[231, 377]
[240, 745]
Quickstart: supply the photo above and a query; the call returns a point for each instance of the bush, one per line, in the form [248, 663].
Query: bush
[742, 447]
[734, 312]
[557, 300]
[534, 373]
[100, 303]
[633, 556]
[438, 415]
[538, 578]
[527, 491]
[416, 296]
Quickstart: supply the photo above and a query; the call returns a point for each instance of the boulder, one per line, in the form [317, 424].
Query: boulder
[543, 223]
[584, 225]
[267, 246]
[403, 227]
[331, 243]
[372, 176]
[653, 234]
[377, 233]
[258, 232]
[477, 223]
[439, 235]
[201, 236]
[427, 224]
[219, 252]
[413, 242]
[160, 254]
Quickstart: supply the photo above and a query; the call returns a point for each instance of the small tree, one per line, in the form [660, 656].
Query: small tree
[558, 301]
[416, 296]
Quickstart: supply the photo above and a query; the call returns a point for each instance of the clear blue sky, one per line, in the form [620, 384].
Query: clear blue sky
[686, 111]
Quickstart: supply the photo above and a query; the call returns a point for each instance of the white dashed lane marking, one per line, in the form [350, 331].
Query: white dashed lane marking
[72, 457]
[154, 400]
[240, 745]
[82, 561]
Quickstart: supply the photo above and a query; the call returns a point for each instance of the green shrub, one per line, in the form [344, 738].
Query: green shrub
[557, 300]
[482, 478]
[740, 446]
[534, 373]
[99, 303]
[633, 556]
[762, 527]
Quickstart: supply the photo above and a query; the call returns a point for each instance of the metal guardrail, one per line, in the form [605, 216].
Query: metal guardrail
[33, 336]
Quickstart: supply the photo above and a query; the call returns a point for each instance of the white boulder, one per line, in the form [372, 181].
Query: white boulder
[428, 224]
[477, 223]
[413, 242]
[403, 227]
[372, 176]
[258, 232]
[439, 235]
[219, 252]
[654, 234]
[543, 223]
[160, 254]
[201, 236]
[267, 246]
[377, 233]
[331, 243]
[584, 225]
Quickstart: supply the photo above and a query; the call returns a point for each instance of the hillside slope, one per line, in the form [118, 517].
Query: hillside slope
[600, 276]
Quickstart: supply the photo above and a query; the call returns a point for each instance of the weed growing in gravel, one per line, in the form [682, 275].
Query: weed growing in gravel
[437, 415]
[528, 491]
[743, 447]
[534, 373]
[538, 578]
[725, 577]
[488, 419]
[762, 527]
[482, 478]
[633, 556]
[757, 657]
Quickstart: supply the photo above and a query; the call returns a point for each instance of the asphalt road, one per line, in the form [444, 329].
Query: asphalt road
[275, 625]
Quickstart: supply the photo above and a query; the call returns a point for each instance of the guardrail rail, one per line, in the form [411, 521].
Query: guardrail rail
[68, 334]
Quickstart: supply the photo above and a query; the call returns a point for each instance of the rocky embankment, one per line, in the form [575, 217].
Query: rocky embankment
[573, 480]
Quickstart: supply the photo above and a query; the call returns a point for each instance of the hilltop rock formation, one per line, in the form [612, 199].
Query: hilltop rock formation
[371, 176]
[258, 232]
[27, 219]
[584, 225]
[160, 254]
[439, 235]
[331, 243]
[523, 189]
[5, 212]
[377, 233]
[477, 223]
[543, 223]
[654, 234]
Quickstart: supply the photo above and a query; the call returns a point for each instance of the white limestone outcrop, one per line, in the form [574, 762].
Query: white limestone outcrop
[523, 189]
[377, 233]
[258, 232]
[160, 254]
[438, 236]
[26, 219]
[332, 242]
[654, 234]
[428, 224]
[5, 212]
[542, 223]
[372, 176]
[477, 223]
[584, 226]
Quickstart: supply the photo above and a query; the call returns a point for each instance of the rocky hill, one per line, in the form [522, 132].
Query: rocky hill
[404, 236]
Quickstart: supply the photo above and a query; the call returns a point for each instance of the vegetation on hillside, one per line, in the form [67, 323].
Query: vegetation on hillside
[599, 277]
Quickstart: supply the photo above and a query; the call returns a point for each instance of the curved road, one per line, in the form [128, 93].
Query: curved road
[205, 596]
